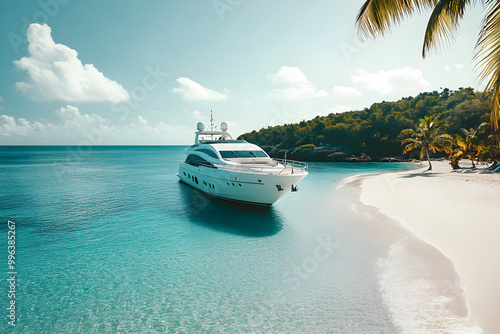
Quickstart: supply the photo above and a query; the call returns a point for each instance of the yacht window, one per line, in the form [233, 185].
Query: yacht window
[209, 152]
[227, 154]
[196, 160]
[243, 154]
[260, 154]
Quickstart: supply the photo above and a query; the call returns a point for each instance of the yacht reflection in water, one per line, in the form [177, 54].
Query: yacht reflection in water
[229, 217]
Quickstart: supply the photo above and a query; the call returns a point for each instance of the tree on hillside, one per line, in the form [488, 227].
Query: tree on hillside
[377, 130]
[377, 16]
[426, 137]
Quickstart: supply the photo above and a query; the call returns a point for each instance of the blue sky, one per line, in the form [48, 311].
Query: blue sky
[144, 72]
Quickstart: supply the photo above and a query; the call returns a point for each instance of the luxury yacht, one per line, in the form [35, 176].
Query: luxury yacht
[236, 170]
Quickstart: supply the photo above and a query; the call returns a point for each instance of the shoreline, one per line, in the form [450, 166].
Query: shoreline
[455, 212]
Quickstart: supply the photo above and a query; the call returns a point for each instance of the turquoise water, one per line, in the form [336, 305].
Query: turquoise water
[108, 240]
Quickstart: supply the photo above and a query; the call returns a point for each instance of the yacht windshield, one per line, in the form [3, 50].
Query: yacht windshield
[242, 154]
[259, 154]
[227, 154]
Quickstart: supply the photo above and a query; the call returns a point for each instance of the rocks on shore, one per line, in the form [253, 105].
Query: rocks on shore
[324, 154]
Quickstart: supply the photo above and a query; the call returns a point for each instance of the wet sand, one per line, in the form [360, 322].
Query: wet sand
[457, 212]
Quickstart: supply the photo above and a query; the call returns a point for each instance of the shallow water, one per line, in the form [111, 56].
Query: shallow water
[108, 240]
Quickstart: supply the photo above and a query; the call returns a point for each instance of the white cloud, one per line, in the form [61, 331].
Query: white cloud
[296, 85]
[290, 114]
[74, 128]
[56, 74]
[404, 79]
[71, 123]
[74, 122]
[142, 120]
[345, 91]
[192, 91]
[197, 115]
[143, 132]
[9, 126]
[339, 109]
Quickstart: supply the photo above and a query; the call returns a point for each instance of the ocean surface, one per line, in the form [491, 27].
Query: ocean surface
[107, 240]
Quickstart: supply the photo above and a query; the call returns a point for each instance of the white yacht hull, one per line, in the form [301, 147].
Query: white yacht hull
[252, 188]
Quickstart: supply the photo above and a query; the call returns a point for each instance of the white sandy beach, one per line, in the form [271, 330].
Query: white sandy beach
[459, 214]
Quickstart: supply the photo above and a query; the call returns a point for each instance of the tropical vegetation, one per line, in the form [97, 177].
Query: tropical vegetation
[490, 153]
[427, 137]
[377, 16]
[377, 130]
[468, 146]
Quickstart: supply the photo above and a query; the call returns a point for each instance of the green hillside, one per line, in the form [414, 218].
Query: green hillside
[376, 130]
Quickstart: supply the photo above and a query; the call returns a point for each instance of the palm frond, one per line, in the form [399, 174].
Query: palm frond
[495, 110]
[410, 147]
[443, 23]
[487, 54]
[489, 153]
[377, 16]
[482, 127]
[445, 137]
[410, 140]
[466, 132]
[457, 154]
[461, 143]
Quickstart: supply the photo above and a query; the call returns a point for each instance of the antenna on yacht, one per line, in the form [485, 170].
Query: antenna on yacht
[212, 124]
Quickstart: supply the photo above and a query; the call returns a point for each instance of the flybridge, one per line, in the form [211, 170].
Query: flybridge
[213, 136]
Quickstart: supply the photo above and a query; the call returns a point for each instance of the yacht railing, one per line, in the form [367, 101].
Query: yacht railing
[292, 165]
[283, 166]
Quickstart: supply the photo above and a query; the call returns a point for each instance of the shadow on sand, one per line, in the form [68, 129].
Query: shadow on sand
[422, 174]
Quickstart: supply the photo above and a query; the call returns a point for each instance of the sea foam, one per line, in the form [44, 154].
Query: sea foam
[422, 291]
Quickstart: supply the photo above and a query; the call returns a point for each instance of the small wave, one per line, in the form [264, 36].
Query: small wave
[421, 290]
[345, 181]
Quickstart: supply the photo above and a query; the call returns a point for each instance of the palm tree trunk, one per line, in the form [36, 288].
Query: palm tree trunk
[428, 159]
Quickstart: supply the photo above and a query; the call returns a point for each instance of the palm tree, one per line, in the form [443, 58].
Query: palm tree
[490, 153]
[470, 146]
[377, 16]
[473, 136]
[464, 150]
[427, 138]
